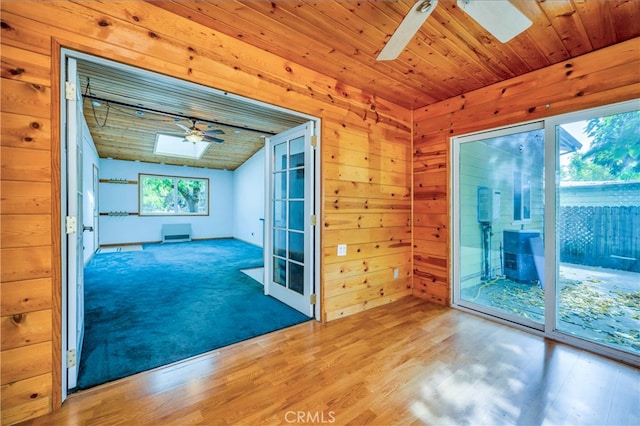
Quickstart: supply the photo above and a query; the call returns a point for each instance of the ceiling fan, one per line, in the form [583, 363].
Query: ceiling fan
[194, 135]
[499, 17]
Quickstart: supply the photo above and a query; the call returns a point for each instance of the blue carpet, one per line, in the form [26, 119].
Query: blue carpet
[169, 302]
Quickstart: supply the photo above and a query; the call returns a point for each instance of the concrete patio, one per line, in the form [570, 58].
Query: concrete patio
[598, 304]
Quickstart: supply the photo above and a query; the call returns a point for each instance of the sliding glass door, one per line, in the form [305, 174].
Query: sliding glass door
[500, 218]
[598, 230]
[546, 227]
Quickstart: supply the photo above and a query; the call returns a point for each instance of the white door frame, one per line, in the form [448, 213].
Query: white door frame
[72, 224]
[67, 53]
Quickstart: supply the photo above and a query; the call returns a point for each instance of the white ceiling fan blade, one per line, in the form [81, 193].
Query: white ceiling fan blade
[499, 17]
[182, 126]
[407, 29]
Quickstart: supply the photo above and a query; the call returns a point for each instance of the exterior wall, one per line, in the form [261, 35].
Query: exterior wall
[365, 157]
[599, 78]
[481, 165]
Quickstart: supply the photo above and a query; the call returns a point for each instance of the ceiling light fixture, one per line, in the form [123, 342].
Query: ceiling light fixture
[194, 137]
[502, 19]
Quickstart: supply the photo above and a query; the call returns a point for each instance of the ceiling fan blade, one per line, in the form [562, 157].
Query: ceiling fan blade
[214, 132]
[407, 29]
[502, 19]
[212, 139]
[182, 126]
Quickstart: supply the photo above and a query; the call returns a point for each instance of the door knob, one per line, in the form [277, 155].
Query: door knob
[87, 228]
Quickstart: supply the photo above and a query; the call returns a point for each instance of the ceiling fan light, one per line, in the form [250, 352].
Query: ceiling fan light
[502, 19]
[194, 137]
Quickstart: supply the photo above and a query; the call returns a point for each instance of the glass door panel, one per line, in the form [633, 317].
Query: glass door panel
[598, 230]
[291, 194]
[500, 181]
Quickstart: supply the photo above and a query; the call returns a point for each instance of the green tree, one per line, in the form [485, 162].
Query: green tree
[190, 191]
[615, 149]
[157, 194]
[581, 170]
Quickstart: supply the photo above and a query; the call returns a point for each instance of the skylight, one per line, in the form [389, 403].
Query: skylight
[176, 146]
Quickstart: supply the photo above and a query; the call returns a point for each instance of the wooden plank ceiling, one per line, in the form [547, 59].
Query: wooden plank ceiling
[450, 55]
[126, 108]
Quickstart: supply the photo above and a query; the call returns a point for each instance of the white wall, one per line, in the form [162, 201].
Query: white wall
[140, 229]
[89, 159]
[248, 203]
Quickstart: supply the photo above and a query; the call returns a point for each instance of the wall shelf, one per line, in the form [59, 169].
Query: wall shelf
[119, 181]
[119, 214]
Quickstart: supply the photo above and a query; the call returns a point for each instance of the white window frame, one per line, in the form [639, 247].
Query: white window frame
[175, 179]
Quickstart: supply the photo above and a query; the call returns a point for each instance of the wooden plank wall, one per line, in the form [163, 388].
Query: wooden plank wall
[599, 78]
[26, 237]
[365, 156]
[367, 205]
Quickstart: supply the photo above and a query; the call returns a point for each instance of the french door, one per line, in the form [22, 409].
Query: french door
[73, 226]
[546, 227]
[289, 238]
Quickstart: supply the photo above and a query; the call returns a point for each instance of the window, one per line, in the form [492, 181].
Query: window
[521, 196]
[171, 195]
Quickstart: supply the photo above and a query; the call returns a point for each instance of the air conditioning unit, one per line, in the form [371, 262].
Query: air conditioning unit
[519, 264]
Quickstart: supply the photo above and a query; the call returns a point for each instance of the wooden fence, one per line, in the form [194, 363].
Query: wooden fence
[608, 237]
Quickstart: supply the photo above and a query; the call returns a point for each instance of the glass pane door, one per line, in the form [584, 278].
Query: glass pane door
[288, 218]
[598, 230]
[289, 256]
[500, 220]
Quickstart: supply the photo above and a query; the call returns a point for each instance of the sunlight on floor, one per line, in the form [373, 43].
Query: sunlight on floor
[255, 273]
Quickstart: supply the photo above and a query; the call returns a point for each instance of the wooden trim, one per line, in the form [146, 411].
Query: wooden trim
[119, 181]
[56, 228]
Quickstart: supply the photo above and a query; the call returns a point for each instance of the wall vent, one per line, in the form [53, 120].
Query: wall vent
[176, 232]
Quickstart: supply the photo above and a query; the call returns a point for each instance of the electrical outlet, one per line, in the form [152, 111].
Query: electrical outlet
[396, 274]
[342, 249]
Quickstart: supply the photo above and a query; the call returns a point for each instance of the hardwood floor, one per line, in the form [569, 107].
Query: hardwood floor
[407, 363]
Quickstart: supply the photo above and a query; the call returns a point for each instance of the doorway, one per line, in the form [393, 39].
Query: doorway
[544, 216]
[72, 165]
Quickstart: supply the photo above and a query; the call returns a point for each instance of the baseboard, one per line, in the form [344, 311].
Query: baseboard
[211, 238]
[248, 242]
[129, 244]
[192, 239]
